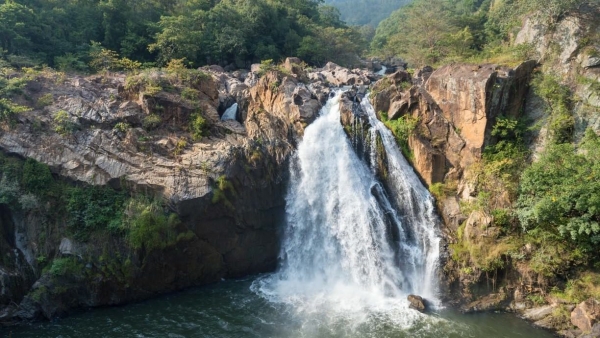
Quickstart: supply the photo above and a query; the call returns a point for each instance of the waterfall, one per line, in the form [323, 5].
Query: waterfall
[382, 70]
[230, 113]
[347, 245]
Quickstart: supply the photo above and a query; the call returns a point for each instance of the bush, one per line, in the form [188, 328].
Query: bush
[93, 209]
[402, 128]
[67, 266]
[559, 193]
[198, 126]
[45, 100]
[37, 178]
[558, 99]
[151, 121]
[8, 110]
[148, 226]
[220, 192]
[122, 127]
[63, 124]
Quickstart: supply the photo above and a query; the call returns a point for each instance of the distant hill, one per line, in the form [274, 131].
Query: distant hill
[366, 12]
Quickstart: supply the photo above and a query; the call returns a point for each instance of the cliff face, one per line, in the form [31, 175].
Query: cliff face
[457, 108]
[157, 134]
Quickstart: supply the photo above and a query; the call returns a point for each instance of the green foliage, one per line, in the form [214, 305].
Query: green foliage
[9, 110]
[66, 266]
[37, 177]
[63, 124]
[441, 31]
[151, 121]
[559, 193]
[558, 99]
[180, 146]
[45, 100]
[198, 126]
[576, 290]
[220, 192]
[148, 226]
[441, 190]
[93, 209]
[10, 86]
[402, 128]
[122, 127]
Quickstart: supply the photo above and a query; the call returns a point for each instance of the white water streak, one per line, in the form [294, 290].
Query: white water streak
[337, 252]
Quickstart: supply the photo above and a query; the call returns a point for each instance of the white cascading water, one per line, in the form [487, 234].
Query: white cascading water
[230, 113]
[382, 70]
[345, 247]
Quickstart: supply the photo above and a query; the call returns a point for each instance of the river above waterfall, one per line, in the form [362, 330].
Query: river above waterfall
[231, 309]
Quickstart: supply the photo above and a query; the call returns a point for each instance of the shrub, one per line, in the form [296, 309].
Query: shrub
[559, 194]
[122, 127]
[8, 110]
[198, 126]
[67, 266]
[93, 209]
[37, 177]
[219, 192]
[63, 124]
[151, 121]
[180, 146]
[402, 128]
[558, 99]
[148, 226]
[45, 100]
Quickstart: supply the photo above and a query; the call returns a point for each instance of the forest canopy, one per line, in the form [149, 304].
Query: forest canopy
[62, 33]
[441, 31]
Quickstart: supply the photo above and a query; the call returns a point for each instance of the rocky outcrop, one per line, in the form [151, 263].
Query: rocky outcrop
[566, 50]
[157, 134]
[586, 315]
[456, 107]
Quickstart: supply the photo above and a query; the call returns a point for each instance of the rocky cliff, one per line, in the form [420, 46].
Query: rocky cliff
[459, 111]
[156, 140]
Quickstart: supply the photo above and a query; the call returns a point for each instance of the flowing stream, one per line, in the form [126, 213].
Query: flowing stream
[353, 249]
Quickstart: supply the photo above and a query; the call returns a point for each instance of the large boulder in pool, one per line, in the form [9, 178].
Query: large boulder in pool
[417, 303]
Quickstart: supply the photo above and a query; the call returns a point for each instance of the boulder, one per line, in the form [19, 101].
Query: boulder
[417, 303]
[586, 315]
[591, 62]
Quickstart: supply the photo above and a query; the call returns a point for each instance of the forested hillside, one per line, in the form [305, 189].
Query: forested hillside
[440, 31]
[366, 12]
[63, 33]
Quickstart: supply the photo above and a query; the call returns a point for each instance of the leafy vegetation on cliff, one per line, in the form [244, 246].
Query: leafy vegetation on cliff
[441, 31]
[67, 34]
[84, 211]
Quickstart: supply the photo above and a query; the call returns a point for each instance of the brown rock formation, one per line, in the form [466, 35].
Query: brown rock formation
[586, 315]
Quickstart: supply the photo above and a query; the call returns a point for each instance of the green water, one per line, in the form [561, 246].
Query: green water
[231, 309]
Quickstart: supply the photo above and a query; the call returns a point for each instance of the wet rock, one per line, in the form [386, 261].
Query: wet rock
[417, 303]
[538, 313]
